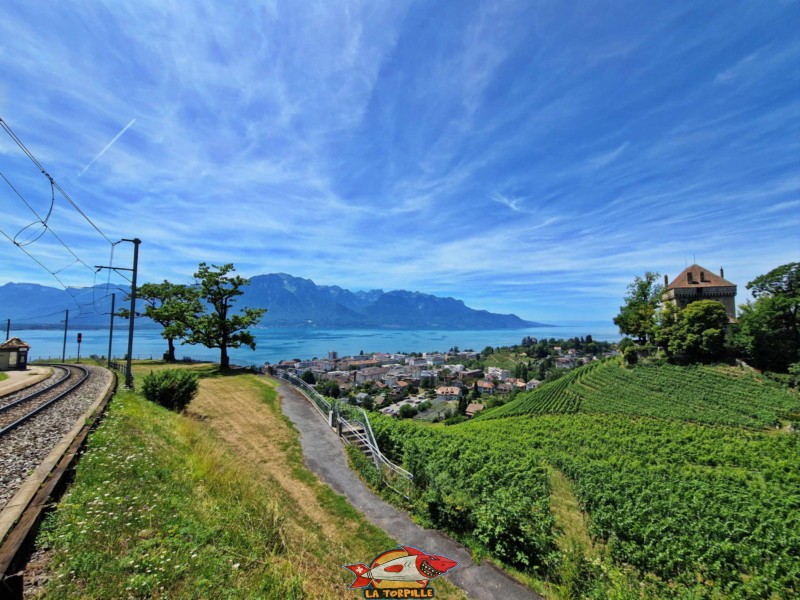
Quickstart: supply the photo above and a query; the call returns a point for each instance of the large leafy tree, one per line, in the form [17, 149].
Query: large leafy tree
[637, 317]
[171, 305]
[221, 327]
[769, 326]
[698, 333]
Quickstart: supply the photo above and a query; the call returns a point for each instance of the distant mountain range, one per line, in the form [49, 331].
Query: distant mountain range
[291, 302]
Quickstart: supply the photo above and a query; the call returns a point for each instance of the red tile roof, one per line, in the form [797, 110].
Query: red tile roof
[473, 408]
[710, 279]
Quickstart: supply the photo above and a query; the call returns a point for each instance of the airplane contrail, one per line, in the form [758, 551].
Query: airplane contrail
[116, 137]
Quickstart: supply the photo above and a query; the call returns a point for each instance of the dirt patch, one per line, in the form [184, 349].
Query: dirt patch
[37, 573]
[258, 437]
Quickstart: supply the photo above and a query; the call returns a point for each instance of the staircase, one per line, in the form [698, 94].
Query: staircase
[355, 435]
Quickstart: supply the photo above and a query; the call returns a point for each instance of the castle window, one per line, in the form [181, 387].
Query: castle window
[689, 277]
[702, 276]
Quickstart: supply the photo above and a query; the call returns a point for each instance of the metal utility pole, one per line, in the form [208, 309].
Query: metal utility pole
[134, 270]
[111, 327]
[64, 346]
[8, 329]
[128, 371]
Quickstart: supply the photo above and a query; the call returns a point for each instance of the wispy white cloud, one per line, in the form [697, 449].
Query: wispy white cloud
[602, 160]
[769, 61]
[512, 203]
[511, 147]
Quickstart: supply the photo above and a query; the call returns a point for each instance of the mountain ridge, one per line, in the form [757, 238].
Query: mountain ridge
[291, 302]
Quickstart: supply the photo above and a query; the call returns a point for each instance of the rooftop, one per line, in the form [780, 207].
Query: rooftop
[696, 276]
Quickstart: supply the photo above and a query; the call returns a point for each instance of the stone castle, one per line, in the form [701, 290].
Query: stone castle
[698, 283]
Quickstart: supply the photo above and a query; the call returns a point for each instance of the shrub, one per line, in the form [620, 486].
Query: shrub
[630, 355]
[624, 343]
[407, 411]
[171, 388]
[455, 419]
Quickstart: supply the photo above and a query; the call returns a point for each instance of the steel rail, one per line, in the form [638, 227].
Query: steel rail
[52, 401]
[11, 405]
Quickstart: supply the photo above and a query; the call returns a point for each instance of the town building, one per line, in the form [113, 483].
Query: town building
[485, 387]
[498, 373]
[470, 374]
[473, 409]
[448, 393]
[532, 384]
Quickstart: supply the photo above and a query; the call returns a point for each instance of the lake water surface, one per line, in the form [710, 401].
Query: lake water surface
[273, 345]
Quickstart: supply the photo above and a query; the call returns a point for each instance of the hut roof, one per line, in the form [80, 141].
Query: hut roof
[14, 344]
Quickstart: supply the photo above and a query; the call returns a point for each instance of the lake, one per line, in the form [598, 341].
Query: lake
[274, 345]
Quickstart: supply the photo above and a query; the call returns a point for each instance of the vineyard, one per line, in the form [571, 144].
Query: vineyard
[692, 509]
[702, 394]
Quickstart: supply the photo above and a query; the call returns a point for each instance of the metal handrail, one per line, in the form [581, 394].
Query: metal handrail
[319, 401]
[344, 413]
[372, 442]
[384, 466]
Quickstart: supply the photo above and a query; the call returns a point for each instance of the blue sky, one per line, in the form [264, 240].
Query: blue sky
[527, 157]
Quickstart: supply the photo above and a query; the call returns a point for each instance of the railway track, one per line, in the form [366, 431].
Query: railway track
[42, 430]
[17, 408]
[34, 420]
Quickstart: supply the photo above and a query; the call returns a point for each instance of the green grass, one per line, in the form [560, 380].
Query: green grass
[3, 376]
[155, 511]
[160, 508]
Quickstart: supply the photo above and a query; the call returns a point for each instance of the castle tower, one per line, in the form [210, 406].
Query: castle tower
[698, 283]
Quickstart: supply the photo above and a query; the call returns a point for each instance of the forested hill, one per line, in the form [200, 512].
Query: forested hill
[291, 302]
[702, 394]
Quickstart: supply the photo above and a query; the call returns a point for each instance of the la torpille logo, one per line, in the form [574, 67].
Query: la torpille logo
[403, 572]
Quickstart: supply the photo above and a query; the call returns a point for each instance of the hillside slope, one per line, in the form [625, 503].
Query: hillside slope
[673, 507]
[702, 394]
[216, 503]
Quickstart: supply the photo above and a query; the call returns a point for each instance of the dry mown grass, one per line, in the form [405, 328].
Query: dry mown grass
[220, 493]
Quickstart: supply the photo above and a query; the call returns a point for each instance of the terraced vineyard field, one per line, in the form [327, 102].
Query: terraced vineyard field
[703, 394]
[683, 492]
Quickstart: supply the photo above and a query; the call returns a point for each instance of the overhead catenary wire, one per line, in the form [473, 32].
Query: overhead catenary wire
[44, 221]
[33, 210]
[36, 317]
[55, 184]
[107, 284]
[20, 240]
[38, 262]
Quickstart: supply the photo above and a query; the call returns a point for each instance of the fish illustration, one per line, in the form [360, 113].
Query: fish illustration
[416, 566]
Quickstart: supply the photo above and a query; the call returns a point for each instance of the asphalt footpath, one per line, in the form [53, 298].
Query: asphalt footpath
[324, 454]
